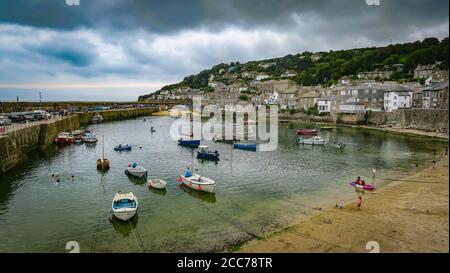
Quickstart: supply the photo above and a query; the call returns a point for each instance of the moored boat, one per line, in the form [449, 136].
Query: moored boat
[124, 205]
[197, 182]
[310, 132]
[311, 141]
[64, 138]
[103, 163]
[156, 183]
[136, 170]
[189, 143]
[245, 146]
[97, 119]
[326, 128]
[206, 154]
[90, 138]
[121, 147]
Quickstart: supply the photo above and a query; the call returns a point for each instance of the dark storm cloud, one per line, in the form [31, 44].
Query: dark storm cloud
[175, 15]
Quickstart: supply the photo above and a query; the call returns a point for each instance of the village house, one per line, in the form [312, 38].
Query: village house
[426, 71]
[262, 76]
[271, 86]
[352, 108]
[308, 100]
[436, 96]
[371, 95]
[397, 97]
[286, 96]
[330, 104]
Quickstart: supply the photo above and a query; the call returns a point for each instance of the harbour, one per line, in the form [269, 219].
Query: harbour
[255, 193]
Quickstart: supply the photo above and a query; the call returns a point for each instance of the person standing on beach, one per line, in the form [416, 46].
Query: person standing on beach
[434, 165]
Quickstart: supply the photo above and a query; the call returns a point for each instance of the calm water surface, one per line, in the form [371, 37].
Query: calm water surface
[255, 192]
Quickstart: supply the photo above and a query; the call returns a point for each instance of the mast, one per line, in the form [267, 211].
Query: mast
[103, 147]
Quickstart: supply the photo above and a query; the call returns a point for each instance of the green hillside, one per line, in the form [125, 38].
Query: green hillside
[328, 67]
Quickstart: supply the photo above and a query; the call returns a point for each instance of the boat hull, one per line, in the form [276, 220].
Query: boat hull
[307, 132]
[248, 147]
[189, 143]
[124, 215]
[208, 156]
[156, 184]
[136, 173]
[197, 186]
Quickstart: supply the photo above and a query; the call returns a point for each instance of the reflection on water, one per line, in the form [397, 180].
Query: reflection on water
[254, 190]
[124, 227]
[158, 191]
[200, 195]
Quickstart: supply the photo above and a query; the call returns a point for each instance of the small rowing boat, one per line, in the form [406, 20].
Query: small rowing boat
[311, 141]
[245, 146]
[189, 143]
[307, 132]
[124, 205]
[121, 147]
[156, 184]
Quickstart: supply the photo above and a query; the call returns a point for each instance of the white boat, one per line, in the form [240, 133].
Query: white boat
[317, 140]
[197, 182]
[136, 170]
[156, 183]
[77, 133]
[97, 119]
[90, 138]
[124, 205]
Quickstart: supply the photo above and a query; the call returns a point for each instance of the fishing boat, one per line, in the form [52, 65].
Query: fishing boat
[136, 170]
[103, 163]
[77, 133]
[307, 132]
[204, 153]
[97, 119]
[311, 141]
[124, 205]
[90, 138]
[64, 138]
[245, 146]
[197, 182]
[189, 143]
[156, 184]
[121, 147]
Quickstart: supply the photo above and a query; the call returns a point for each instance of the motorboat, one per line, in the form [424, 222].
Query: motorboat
[156, 184]
[245, 146]
[90, 138]
[311, 141]
[136, 170]
[77, 133]
[189, 143]
[121, 147]
[78, 140]
[204, 153]
[307, 132]
[124, 205]
[197, 182]
[64, 138]
[97, 119]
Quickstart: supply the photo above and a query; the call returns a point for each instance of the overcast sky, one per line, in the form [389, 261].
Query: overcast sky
[120, 49]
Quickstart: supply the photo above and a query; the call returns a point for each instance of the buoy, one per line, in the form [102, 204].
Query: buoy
[180, 179]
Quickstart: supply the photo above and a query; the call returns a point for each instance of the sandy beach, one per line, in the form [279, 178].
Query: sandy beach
[408, 215]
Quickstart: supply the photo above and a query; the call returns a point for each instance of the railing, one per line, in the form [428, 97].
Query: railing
[4, 130]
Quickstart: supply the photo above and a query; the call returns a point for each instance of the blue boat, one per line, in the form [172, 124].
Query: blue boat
[242, 146]
[189, 143]
[205, 154]
[121, 147]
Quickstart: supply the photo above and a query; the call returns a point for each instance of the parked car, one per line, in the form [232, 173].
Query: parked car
[30, 117]
[41, 114]
[4, 121]
[18, 119]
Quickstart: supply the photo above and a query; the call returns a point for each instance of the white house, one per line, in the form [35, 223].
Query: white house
[397, 98]
[262, 76]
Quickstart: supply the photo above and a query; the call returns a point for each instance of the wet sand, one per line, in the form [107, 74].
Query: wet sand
[408, 215]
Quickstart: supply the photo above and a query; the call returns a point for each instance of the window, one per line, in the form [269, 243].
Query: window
[366, 92]
[395, 104]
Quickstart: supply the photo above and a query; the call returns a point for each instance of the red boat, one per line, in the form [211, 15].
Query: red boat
[64, 138]
[307, 132]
